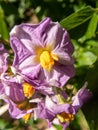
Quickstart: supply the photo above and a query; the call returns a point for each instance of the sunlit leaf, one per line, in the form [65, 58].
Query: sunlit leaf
[94, 50]
[86, 58]
[77, 18]
[3, 26]
[92, 42]
[3, 124]
[82, 121]
[92, 26]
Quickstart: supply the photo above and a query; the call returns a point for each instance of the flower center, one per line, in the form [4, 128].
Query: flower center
[26, 105]
[47, 59]
[28, 90]
[65, 117]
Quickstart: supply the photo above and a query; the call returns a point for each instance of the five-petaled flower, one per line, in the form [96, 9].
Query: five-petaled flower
[43, 51]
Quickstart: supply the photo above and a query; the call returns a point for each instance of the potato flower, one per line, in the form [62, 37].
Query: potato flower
[59, 110]
[21, 97]
[43, 51]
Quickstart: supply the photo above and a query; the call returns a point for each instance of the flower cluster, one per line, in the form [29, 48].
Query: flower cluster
[41, 67]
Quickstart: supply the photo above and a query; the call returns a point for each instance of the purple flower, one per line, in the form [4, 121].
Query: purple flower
[59, 110]
[56, 113]
[43, 51]
[82, 96]
[21, 97]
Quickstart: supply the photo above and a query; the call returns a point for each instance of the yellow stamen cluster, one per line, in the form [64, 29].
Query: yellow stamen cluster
[45, 56]
[47, 60]
[26, 105]
[28, 90]
[65, 117]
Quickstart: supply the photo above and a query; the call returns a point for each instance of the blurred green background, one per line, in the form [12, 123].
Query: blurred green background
[80, 18]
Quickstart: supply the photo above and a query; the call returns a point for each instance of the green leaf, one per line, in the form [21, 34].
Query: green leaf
[82, 121]
[3, 124]
[92, 42]
[3, 26]
[87, 58]
[94, 50]
[58, 127]
[78, 18]
[92, 26]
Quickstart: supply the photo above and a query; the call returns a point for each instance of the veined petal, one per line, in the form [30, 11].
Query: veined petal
[65, 44]
[63, 57]
[3, 59]
[20, 51]
[82, 96]
[59, 75]
[28, 62]
[32, 32]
